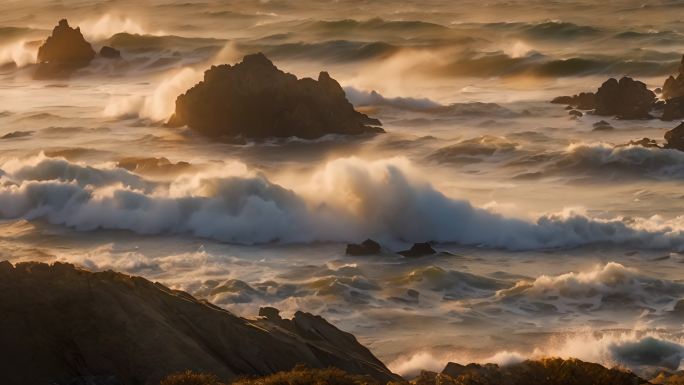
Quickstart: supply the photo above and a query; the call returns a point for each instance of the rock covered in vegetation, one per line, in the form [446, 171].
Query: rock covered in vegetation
[254, 99]
[550, 371]
[367, 247]
[66, 325]
[64, 52]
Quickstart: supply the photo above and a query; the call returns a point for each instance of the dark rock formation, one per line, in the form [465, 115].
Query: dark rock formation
[110, 53]
[575, 113]
[675, 138]
[673, 109]
[643, 142]
[550, 371]
[582, 101]
[602, 125]
[270, 313]
[418, 250]
[367, 247]
[66, 325]
[626, 99]
[63, 52]
[254, 99]
[674, 86]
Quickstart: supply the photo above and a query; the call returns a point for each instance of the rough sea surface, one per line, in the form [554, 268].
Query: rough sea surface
[552, 241]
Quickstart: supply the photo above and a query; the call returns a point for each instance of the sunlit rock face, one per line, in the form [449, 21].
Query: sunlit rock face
[550, 371]
[65, 51]
[254, 99]
[64, 325]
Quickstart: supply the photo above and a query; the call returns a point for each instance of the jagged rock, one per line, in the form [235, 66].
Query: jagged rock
[675, 138]
[64, 325]
[626, 99]
[602, 125]
[418, 250]
[674, 86]
[110, 53]
[367, 247]
[64, 52]
[254, 99]
[549, 371]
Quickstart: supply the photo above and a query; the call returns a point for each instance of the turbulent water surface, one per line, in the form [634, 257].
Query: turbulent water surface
[553, 241]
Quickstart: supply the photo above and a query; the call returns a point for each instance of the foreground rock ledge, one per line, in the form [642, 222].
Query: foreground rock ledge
[63, 325]
[254, 99]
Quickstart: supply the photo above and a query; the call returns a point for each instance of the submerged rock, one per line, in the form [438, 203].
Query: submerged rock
[367, 247]
[254, 99]
[626, 99]
[110, 53]
[65, 325]
[64, 52]
[418, 250]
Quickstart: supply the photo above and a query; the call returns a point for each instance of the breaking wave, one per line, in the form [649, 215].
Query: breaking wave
[346, 200]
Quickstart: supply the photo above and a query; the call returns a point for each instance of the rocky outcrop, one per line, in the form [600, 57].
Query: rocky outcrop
[602, 125]
[674, 86]
[675, 138]
[367, 247]
[550, 371]
[110, 53]
[64, 325]
[626, 99]
[418, 250]
[64, 52]
[254, 99]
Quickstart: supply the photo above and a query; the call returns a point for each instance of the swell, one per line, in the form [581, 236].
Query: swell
[345, 200]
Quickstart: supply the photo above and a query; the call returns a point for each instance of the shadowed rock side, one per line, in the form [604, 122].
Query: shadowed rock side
[254, 99]
[673, 93]
[551, 371]
[63, 52]
[62, 325]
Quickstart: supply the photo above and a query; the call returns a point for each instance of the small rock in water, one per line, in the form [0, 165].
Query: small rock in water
[110, 53]
[65, 51]
[418, 250]
[602, 125]
[575, 113]
[367, 247]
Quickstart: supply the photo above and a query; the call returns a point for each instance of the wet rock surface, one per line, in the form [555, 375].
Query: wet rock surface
[418, 250]
[254, 99]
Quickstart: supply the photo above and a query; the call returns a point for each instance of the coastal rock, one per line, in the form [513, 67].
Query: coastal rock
[602, 125]
[626, 99]
[67, 325]
[673, 109]
[549, 371]
[418, 250]
[367, 247]
[582, 101]
[674, 86]
[575, 113]
[254, 99]
[110, 52]
[675, 138]
[64, 52]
